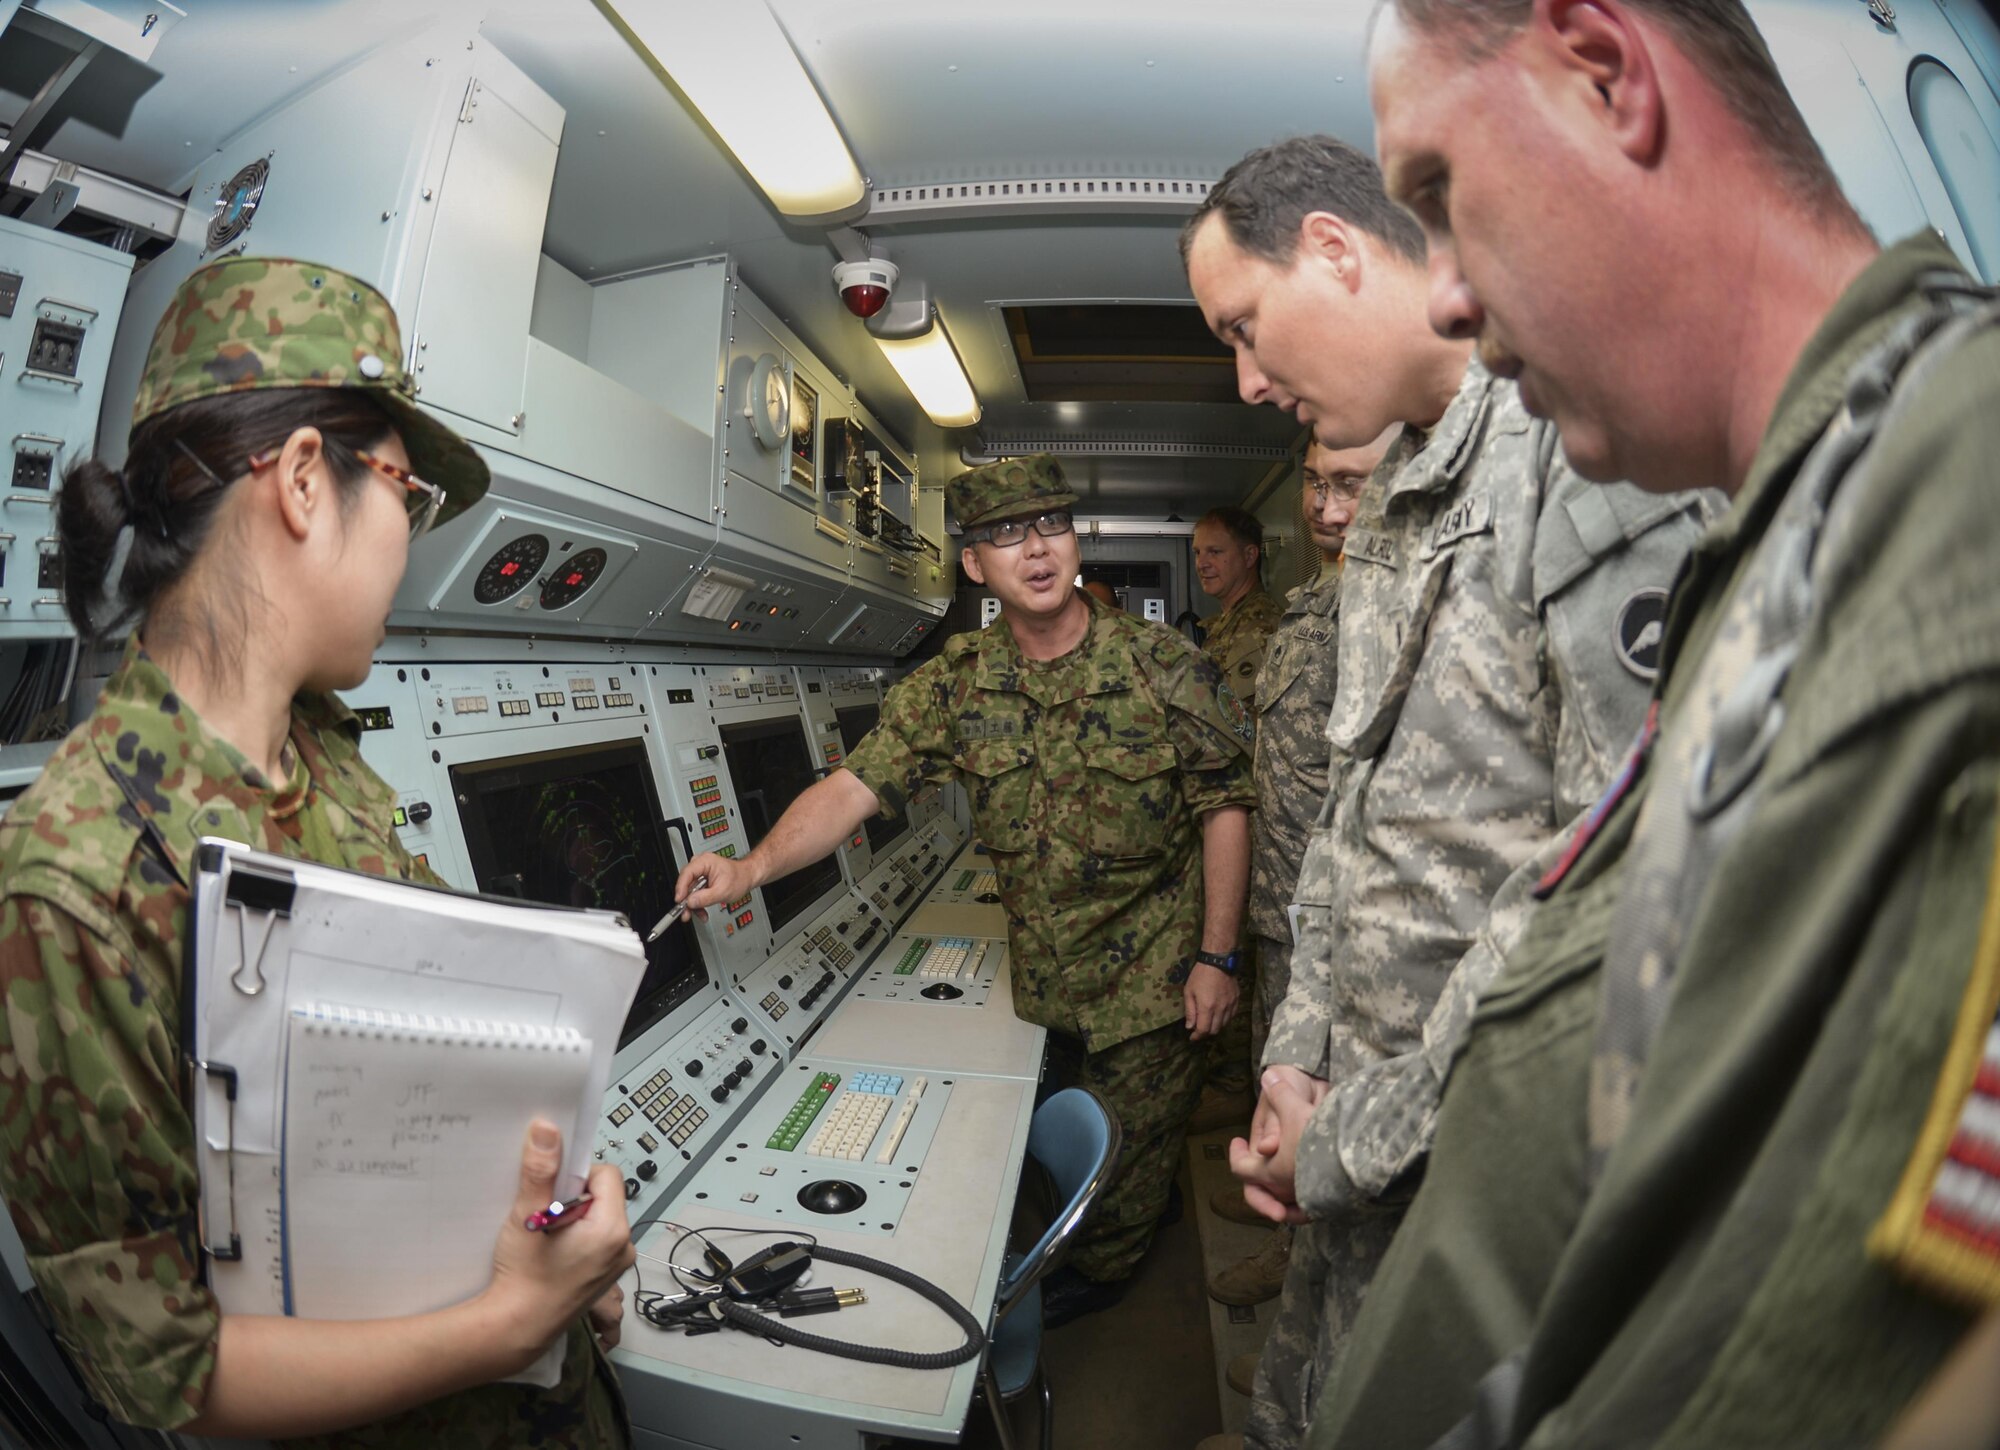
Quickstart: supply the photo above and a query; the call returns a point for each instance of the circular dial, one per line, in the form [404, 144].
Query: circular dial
[572, 578]
[770, 403]
[510, 569]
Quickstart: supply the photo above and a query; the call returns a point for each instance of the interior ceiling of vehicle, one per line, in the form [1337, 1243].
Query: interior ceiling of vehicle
[927, 92]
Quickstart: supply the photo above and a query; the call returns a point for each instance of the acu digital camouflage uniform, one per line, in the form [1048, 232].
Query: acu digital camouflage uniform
[1492, 672]
[1731, 1275]
[1294, 696]
[96, 1142]
[1088, 777]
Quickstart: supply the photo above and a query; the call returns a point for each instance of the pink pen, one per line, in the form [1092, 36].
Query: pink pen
[563, 1211]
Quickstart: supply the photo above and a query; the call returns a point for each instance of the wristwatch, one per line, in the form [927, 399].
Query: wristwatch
[1229, 964]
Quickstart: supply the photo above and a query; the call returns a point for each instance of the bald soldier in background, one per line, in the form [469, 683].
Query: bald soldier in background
[1109, 774]
[1294, 697]
[1735, 1086]
[1491, 673]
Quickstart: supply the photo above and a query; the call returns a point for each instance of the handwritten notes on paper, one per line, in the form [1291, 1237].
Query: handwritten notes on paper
[402, 1151]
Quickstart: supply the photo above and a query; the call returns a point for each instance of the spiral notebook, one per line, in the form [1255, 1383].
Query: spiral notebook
[366, 1056]
[410, 1125]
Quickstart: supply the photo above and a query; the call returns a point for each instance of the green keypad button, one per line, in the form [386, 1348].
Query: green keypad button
[792, 1131]
[913, 955]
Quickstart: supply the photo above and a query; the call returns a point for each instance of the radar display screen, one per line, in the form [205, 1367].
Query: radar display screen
[855, 722]
[583, 828]
[769, 764]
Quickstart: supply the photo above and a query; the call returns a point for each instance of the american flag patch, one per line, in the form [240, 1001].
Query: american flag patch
[1942, 1228]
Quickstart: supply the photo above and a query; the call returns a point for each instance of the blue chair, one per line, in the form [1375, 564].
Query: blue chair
[1075, 1138]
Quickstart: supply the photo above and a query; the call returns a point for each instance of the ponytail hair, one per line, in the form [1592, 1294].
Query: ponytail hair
[130, 535]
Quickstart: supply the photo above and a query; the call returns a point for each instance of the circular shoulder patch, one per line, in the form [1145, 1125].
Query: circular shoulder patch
[1639, 632]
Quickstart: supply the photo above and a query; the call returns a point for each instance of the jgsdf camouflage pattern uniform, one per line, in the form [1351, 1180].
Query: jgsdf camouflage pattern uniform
[250, 323]
[1237, 638]
[96, 1142]
[1498, 636]
[1088, 777]
[1294, 697]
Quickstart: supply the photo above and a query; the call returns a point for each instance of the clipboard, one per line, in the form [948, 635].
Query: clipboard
[276, 943]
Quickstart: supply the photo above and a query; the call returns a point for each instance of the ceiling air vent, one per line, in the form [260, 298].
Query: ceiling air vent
[957, 200]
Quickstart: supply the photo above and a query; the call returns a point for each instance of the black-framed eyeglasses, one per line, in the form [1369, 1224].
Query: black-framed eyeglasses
[421, 498]
[1344, 490]
[1009, 532]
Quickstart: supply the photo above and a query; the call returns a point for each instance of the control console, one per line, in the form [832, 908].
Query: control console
[800, 983]
[662, 1113]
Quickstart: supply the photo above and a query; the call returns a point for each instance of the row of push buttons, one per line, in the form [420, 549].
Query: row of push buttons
[516, 707]
[792, 1129]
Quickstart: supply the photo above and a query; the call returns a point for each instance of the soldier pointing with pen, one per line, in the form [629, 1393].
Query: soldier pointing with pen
[1109, 773]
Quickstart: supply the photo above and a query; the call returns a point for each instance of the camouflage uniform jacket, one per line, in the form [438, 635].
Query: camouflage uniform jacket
[1237, 638]
[96, 1149]
[1088, 777]
[1294, 696]
[1485, 695]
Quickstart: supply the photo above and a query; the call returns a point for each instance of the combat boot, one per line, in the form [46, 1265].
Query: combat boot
[1256, 1278]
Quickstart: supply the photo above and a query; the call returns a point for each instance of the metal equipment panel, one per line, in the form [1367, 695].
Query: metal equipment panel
[60, 300]
[470, 318]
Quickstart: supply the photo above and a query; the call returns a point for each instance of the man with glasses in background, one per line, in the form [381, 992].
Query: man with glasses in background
[1109, 773]
[1294, 697]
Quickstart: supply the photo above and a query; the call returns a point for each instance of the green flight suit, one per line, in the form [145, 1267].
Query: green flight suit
[1713, 1286]
[1088, 777]
[96, 1137]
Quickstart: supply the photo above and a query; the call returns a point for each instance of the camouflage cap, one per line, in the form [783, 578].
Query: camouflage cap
[1007, 489]
[246, 323]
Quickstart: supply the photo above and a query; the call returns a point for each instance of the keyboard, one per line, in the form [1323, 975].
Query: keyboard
[941, 958]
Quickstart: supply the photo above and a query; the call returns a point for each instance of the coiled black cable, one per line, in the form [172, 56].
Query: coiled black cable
[744, 1317]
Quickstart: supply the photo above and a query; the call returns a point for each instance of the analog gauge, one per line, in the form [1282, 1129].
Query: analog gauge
[236, 203]
[769, 406]
[572, 578]
[510, 569]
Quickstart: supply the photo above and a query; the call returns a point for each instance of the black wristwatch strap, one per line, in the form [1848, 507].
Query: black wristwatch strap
[1231, 963]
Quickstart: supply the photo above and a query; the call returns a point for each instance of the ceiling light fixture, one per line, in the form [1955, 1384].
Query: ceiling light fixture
[930, 369]
[779, 129]
[911, 334]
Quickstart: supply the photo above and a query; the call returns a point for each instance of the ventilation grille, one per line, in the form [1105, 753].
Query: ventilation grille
[1077, 193]
[988, 450]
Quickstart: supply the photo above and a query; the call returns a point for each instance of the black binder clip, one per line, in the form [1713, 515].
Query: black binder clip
[251, 890]
[234, 1250]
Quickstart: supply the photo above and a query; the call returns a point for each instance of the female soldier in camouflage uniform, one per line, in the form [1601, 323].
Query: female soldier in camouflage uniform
[276, 475]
